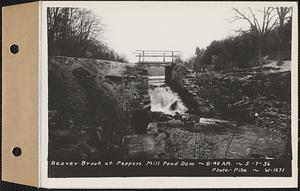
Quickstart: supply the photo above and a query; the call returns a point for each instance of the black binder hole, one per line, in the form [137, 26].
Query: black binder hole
[17, 151]
[14, 49]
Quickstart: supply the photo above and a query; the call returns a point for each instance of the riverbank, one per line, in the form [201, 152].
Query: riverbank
[95, 113]
[91, 103]
[241, 114]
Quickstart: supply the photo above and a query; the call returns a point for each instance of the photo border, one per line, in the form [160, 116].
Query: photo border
[163, 182]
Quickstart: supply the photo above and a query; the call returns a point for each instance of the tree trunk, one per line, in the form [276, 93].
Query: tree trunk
[260, 58]
[279, 53]
[280, 44]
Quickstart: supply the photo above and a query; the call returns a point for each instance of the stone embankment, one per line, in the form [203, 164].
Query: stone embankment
[251, 112]
[241, 114]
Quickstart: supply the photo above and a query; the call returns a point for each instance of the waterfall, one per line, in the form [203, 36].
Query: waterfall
[163, 99]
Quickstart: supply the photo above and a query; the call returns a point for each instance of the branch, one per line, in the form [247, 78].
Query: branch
[264, 20]
[269, 19]
[272, 26]
[255, 21]
[242, 16]
[253, 25]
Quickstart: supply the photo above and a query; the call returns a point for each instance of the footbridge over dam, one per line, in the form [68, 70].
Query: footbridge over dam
[159, 62]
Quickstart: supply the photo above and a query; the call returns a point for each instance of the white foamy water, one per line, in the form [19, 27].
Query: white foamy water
[162, 99]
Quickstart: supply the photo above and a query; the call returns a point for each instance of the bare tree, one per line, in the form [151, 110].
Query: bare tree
[260, 28]
[89, 28]
[69, 27]
[77, 32]
[283, 14]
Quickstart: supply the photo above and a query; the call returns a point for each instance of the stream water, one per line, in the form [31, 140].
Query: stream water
[163, 99]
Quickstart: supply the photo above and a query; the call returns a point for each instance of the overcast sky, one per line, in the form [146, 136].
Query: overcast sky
[178, 26]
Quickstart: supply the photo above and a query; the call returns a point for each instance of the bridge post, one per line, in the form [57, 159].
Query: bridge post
[164, 58]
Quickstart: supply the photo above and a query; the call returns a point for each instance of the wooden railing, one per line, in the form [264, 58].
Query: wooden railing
[142, 54]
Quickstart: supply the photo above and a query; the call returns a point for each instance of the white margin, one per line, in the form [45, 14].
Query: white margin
[163, 182]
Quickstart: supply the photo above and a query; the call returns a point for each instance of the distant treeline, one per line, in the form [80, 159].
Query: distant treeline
[244, 50]
[76, 32]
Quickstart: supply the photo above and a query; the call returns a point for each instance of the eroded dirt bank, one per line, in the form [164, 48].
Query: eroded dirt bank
[91, 107]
